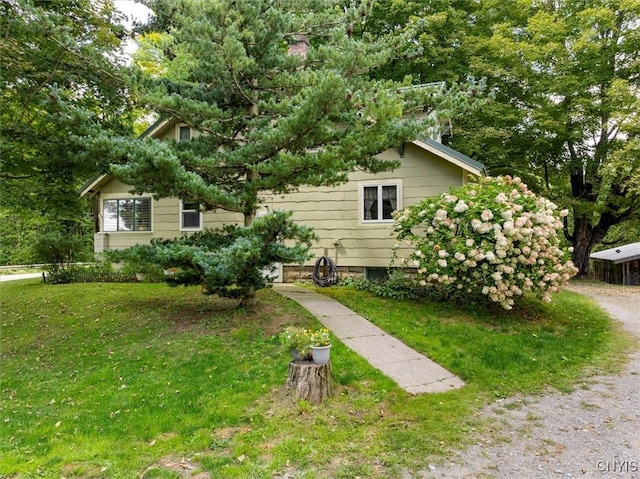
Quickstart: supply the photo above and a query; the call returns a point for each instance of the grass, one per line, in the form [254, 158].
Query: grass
[142, 380]
[523, 351]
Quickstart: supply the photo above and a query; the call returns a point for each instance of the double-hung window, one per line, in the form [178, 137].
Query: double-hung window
[131, 214]
[190, 216]
[378, 201]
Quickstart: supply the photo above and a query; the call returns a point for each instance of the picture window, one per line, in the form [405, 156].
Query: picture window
[130, 214]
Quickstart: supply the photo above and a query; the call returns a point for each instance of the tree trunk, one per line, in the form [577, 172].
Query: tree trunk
[311, 382]
[581, 253]
[249, 300]
[585, 237]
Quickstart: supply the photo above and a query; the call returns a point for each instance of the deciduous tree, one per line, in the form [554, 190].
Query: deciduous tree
[566, 76]
[59, 86]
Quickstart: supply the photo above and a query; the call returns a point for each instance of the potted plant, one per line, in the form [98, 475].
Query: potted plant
[320, 345]
[296, 340]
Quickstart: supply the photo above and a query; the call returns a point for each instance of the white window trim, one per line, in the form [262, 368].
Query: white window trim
[188, 228]
[379, 184]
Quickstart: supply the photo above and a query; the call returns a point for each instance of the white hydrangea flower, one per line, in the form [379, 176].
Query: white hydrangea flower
[460, 207]
[486, 215]
[501, 198]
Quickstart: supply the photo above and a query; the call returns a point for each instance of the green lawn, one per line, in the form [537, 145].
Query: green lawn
[142, 380]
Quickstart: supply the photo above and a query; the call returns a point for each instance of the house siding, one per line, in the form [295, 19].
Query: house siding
[626, 273]
[618, 265]
[333, 212]
[165, 220]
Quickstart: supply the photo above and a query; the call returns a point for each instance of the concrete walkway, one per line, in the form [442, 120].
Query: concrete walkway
[16, 277]
[412, 371]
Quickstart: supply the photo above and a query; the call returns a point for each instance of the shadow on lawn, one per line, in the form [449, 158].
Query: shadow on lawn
[212, 314]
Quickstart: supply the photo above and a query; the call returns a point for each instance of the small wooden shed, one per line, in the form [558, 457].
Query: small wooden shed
[620, 265]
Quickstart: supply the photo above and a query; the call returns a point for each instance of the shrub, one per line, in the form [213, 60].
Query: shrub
[232, 262]
[397, 286]
[59, 246]
[100, 272]
[491, 240]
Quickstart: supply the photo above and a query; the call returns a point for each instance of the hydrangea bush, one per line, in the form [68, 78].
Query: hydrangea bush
[490, 240]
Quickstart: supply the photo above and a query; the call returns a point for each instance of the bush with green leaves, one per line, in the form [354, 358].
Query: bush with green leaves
[231, 262]
[98, 272]
[490, 240]
[397, 286]
[59, 246]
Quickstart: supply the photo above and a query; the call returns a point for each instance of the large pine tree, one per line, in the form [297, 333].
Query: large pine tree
[278, 94]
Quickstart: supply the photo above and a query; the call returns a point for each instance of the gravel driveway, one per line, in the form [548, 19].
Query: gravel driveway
[593, 432]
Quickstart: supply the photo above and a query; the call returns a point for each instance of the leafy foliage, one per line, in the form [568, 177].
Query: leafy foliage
[231, 262]
[60, 85]
[431, 44]
[566, 77]
[564, 80]
[17, 235]
[492, 240]
[99, 272]
[57, 247]
[296, 339]
[300, 340]
[398, 286]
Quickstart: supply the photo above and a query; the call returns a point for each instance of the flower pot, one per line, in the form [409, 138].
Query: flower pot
[297, 355]
[320, 354]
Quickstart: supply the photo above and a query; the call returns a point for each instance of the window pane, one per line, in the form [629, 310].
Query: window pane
[370, 200]
[126, 215]
[143, 214]
[110, 215]
[191, 219]
[190, 206]
[389, 201]
[185, 133]
[190, 215]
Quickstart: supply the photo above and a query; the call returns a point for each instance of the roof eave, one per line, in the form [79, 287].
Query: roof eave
[93, 184]
[156, 126]
[455, 157]
[620, 254]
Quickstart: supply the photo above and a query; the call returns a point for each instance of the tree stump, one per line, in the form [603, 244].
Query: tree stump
[309, 381]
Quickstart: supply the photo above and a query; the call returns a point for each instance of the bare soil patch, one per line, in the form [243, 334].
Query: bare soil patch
[184, 467]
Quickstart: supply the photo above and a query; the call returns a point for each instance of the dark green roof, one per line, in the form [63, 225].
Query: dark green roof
[456, 154]
[152, 127]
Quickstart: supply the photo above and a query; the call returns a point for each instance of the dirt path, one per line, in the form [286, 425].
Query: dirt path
[593, 432]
